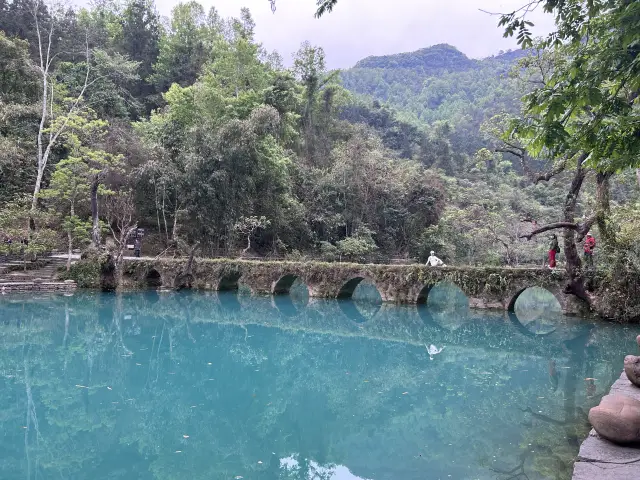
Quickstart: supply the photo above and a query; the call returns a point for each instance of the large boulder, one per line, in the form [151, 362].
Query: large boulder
[617, 419]
[632, 369]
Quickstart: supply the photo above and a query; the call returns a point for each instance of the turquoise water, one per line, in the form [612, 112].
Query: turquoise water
[222, 386]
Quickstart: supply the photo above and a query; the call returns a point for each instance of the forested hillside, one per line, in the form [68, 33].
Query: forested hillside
[112, 119]
[440, 84]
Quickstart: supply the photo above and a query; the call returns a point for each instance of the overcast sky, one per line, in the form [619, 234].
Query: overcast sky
[360, 28]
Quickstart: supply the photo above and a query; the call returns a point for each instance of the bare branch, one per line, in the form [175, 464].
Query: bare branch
[549, 227]
[558, 168]
[581, 228]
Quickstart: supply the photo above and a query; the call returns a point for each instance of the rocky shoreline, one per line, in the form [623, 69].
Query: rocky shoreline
[612, 449]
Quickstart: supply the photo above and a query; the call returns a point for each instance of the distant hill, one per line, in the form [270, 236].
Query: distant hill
[428, 60]
[441, 84]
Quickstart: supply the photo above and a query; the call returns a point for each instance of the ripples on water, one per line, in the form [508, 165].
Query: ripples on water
[223, 386]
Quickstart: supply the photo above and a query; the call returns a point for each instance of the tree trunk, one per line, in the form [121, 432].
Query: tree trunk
[70, 238]
[573, 267]
[638, 175]
[603, 208]
[38, 186]
[95, 232]
[248, 243]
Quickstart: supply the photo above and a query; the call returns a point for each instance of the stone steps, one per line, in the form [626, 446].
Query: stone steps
[11, 272]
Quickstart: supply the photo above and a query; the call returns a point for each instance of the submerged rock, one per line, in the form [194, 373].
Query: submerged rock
[617, 419]
[632, 369]
[638, 340]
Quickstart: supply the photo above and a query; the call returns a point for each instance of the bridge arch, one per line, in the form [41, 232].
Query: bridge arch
[349, 287]
[439, 289]
[229, 282]
[539, 312]
[153, 279]
[511, 306]
[423, 294]
[283, 285]
[356, 309]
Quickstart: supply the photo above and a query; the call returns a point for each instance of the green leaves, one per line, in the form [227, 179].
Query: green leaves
[589, 102]
[15, 220]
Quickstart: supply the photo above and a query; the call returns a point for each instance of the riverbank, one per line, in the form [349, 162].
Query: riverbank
[599, 459]
[37, 286]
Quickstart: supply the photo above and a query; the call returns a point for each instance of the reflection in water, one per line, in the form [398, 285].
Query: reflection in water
[538, 310]
[363, 304]
[291, 296]
[449, 305]
[201, 386]
[293, 469]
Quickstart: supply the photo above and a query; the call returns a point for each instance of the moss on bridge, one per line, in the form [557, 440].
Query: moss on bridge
[486, 287]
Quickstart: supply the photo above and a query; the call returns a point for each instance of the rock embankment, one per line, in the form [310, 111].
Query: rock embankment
[612, 450]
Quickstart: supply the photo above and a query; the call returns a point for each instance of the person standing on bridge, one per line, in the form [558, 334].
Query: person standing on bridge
[434, 261]
[554, 249]
[137, 246]
[589, 246]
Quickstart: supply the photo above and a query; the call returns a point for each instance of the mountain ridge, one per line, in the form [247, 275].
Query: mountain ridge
[439, 57]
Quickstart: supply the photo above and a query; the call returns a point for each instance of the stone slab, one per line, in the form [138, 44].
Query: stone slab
[605, 471]
[598, 449]
[599, 459]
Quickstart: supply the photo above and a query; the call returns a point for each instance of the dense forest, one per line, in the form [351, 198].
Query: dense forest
[114, 118]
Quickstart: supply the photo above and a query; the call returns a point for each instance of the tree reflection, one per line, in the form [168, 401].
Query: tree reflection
[230, 381]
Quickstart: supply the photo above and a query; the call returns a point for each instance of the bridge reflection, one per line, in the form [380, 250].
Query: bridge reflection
[178, 335]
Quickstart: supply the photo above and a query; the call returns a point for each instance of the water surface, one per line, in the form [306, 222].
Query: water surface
[220, 386]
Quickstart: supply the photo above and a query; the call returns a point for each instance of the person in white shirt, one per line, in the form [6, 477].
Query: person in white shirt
[434, 261]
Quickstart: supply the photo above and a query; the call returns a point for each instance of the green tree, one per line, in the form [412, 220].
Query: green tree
[186, 47]
[14, 225]
[86, 167]
[140, 38]
[19, 117]
[68, 187]
[248, 226]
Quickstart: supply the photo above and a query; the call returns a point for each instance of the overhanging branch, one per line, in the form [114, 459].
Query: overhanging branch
[549, 227]
[580, 228]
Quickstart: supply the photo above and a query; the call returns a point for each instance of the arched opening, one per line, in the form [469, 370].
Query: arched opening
[423, 295]
[348, 288]
[290, 294]
[153, 279]
[360, 289]
[229, 282]
[536, 310]
[284, 284]
[444, 304]
[359, 299]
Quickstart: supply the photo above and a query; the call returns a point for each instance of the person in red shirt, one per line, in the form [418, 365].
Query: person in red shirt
[589, 246]
[554, 249]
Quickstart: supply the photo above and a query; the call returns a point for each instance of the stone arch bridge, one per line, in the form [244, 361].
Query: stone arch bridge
[496, 288]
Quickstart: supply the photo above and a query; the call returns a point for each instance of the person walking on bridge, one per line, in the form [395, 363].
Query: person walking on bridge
[554, 249]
